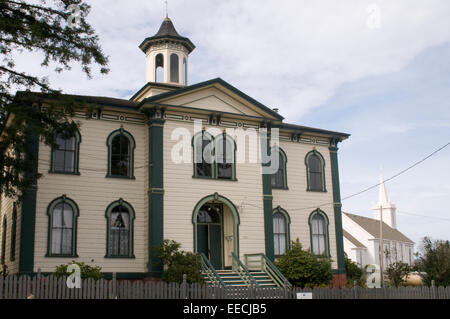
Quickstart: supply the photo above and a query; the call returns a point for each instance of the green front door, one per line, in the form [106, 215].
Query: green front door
[209, 233]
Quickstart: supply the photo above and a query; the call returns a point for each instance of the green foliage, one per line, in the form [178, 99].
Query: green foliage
[87, 271]
[303, 269]
[40, 27]
[354, 273]
[398, 273]
[4, 270]
[176, 263]
[433, 262]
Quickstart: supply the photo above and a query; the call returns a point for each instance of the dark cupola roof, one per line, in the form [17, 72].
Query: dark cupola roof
[167, 33]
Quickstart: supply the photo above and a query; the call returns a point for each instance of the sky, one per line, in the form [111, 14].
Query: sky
[378, 70]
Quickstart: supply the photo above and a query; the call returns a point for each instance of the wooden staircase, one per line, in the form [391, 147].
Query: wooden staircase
[234, 279]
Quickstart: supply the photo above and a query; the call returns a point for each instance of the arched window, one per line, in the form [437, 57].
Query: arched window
[174, 68]
[318, 223]
[121, 147]
[65, 155]
[120, 219]
[281, 236]
[184, 71]
[279, 179]
[62, 227]
[4, 230]
[315, 171]
[12, 254]
[203, 154]
[225, 156]
[159, 68]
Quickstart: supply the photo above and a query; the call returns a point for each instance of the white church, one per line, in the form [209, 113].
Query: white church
[362, 235]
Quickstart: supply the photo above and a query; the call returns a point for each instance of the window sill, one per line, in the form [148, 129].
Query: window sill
[61, 256]
[281, 188]
[316, 190]
[120, 257]
[121, 177]
[216, 179]
[64, 173]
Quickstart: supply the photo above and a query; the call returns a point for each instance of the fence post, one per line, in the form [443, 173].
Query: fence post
[433, 290]
[37, 293]
[183, 287]
[252, 289]
[355, 289]
[114, 286]
[286, 292]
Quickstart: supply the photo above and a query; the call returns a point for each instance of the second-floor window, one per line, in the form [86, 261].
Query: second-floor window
[315, 169]
[121, 147]
[65, 153]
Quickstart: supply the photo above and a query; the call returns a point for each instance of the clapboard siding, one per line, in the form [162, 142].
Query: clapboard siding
[93, 192]
[300, 203]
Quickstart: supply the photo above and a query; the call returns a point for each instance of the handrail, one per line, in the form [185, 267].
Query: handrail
[243, 272]
[210, 271]
[267, 266]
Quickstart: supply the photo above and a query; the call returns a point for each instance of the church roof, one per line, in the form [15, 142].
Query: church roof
[353, 240]
[372, 226]
[167, 31]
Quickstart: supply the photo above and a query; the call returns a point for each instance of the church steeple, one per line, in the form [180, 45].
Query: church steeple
[384, 206]
[167, 55]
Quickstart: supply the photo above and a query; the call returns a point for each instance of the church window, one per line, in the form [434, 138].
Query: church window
[225, 157]
[65, 154]
[159, 68]
[203, 154]
[281, 223]
[318, 223]
[279, 179]
[174, 68]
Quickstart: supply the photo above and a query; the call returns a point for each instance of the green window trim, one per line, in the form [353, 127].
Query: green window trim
[326, 230]
[132, 146]
[323, 188]
[4, 230]
[76, 164]
[287, 220]
[12, 251]
[76, 213]
[284, 163]
[132, 216]
[214, 164]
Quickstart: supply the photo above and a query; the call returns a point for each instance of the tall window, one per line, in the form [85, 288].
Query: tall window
[12, 255]
[65, 153]
[4, 229]
[315, 171]
[318, 223]
[184, 71]
[121, 147]
[174, 68]
[279, 179]
[225, 152]
[62, 213]
[281, 224]
[159, 68]
[203, 155]
[120, 216]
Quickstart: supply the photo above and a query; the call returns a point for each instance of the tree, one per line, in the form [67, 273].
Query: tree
[177, 263]
[39, 27]
[303, 269]
[433, 262]
[398, 273]
[354, 273]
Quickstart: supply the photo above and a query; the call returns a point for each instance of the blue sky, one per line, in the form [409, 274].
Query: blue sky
[321, 64]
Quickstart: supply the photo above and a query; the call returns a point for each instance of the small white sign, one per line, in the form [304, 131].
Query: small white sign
[304, 295]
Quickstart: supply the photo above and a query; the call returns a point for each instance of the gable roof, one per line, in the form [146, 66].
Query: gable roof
[204, 84]
[353, 240]
[372, 226]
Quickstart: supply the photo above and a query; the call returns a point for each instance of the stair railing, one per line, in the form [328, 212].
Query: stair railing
[239, 268]
[209, 271]
[264, 264]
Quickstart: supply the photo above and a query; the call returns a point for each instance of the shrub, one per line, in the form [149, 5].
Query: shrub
[303, 269]
[176, 263]
[87, 271]
[433, 262]
[398, 273]
[354, 273]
